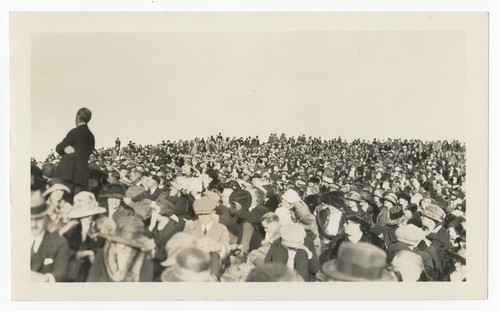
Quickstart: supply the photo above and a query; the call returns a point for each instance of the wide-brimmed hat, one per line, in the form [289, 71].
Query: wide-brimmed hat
[175, 245]
[54, 185]
[361, 262]
[113, 191]
[38, 205]
[390, 197]
[434, 212]
[410, 234]
[85, 204]
[193, 264]
[207, 203]
[130, 231]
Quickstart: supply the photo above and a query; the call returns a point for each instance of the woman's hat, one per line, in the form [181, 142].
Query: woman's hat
[241, 196]
[56, 185]
[193, 265]
[38, 206]
[361, 262]
[130, 231]
[175, 245]
[85, 204]
[390, 197]
[353, 196]
[113, 191]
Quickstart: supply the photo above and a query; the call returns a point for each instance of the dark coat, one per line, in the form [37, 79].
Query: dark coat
[305, 267]
[74, 167]
[52, 256]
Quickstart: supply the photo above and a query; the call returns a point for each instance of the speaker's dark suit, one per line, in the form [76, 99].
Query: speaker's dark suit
[74, 167]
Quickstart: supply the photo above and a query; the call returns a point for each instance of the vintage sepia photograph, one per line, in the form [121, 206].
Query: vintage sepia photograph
[325, 151]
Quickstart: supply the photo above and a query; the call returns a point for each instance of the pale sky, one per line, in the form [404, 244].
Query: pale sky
[147, 87]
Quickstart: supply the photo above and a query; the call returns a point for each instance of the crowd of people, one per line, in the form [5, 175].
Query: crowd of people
[221, 209]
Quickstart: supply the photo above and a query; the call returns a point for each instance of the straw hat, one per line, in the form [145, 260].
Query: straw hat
[85, 204]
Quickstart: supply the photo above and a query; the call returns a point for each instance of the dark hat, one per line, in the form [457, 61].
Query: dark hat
[366, 196]
[113, 191]
[390, 197]
[361, 262]
[241, 196]
[48, 169]
[130, 231]
[38, 206]
[404, 195]
[357, 219]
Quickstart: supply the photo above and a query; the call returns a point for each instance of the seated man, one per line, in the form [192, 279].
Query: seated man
[214, 237]
[50, 252]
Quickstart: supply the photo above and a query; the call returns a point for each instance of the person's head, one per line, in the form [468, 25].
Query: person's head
[135, 176]
[83, 116]
[352, 199]
[409, 264]
[56, 191]
[355, 225]
[389, 200]
[258, 196]
[113, 177]
[240, 200]
[432, 216]
[85, 206]
[204, 207]
[270, 221]
[113, 194]
[404, 198]
[292, 236]
[38, 213]
[361, 262]
[289, 198]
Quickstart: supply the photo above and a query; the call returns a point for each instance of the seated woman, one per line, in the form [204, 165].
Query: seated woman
[355, 230]
[82, 235]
